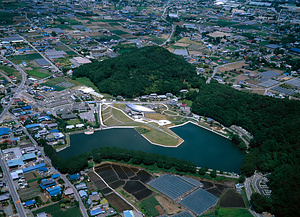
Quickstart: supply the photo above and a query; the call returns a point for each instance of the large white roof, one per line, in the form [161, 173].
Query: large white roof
[139, 108]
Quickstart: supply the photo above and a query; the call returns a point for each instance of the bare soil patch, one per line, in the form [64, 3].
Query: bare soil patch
[169, 207]
[159, 209]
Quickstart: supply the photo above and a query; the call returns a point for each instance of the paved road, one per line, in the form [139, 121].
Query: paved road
[216, 70]
[34, 48]
[12, 189]
[11, 186]
[47, 160]
[19, 89]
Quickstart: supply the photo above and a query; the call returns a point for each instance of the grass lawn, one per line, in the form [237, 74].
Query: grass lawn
[73, 122]
[26, 57]
[162, 138]
[155, 116]
[120, 115]
[111, 121]
[233, 212]
[84, 81]
[55, 211]
[37, 73]
[168, 112]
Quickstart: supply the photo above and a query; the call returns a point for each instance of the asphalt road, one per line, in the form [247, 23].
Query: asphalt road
[216, 69]
[12, 189]
[19, 89]
[9, 181]
[48, 161]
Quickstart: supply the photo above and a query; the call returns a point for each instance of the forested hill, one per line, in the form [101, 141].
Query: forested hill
[275, 148]
[144, 71]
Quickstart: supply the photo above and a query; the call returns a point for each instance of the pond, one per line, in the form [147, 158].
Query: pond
[200, 146]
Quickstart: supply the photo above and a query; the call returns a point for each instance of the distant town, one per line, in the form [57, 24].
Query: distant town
[54, 122]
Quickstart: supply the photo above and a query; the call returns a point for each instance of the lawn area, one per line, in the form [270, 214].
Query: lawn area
[37, 73]
[111, 122]
[155, 116]
[168, 112]
[159, 137]
[84, 81]
[233, 212]
[149, 205]
[120, 115]
[55, 211]
[26, 57]
[73, 122]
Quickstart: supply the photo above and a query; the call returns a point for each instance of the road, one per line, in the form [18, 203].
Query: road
[216, 70]
[48, 161]
[170, 36]
[9, 181]
[33, 47]
[17, 92]
[11, 187]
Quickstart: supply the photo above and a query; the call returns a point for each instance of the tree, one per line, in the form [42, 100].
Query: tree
[213, 174]
[53, 33]
[260, 203]
[242, 178]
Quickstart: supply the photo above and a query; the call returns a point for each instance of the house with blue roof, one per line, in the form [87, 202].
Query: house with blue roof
[128, 213]
[83, 194]
[32, 126]
[46, 183]
[74, 176]
[4, 131]
[28, 157]
[30, 202]
[15, 163]
[33, 168]
[55, 176]
[97, 211]
[26, 107]
[54, 191]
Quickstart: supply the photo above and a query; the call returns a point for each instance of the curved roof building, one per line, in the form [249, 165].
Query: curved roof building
[139, 108]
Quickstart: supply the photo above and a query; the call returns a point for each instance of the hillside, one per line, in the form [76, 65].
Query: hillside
[143, 71]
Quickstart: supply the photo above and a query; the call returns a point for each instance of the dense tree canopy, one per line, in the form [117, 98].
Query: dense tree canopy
[143, 71]
[274, 123]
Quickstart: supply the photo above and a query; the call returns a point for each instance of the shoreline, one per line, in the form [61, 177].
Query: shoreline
[198, 125]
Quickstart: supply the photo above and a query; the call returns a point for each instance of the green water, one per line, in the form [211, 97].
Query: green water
[200, 146]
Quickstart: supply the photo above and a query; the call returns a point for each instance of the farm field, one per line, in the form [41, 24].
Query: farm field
[149, 205]
[37, 73]
[231, 212]
[232, 199]
[25, 57]
[55, 211]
